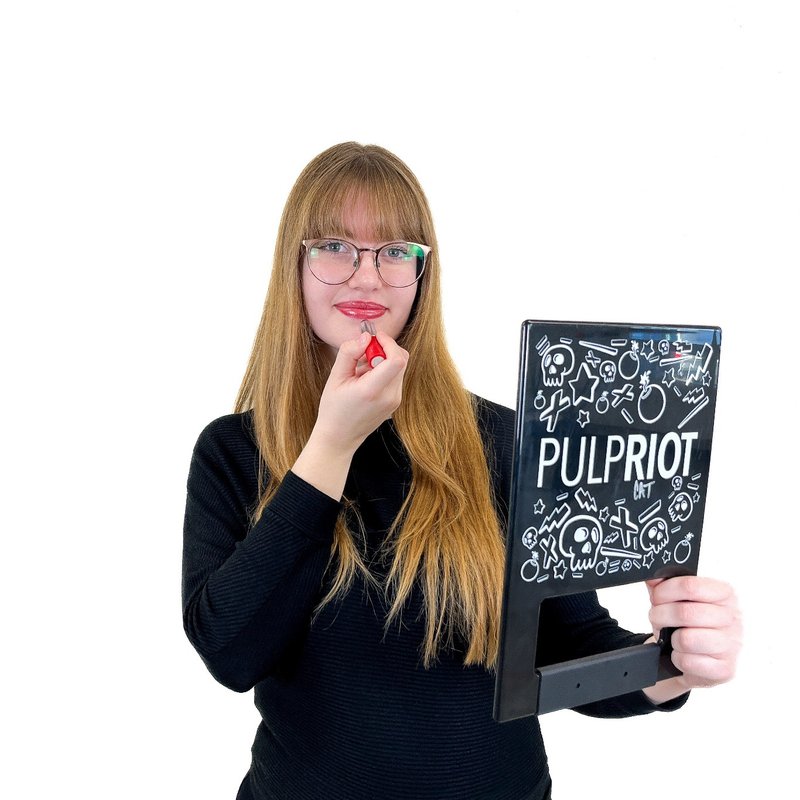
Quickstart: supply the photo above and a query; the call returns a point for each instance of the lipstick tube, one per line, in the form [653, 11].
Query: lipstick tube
[374, 352]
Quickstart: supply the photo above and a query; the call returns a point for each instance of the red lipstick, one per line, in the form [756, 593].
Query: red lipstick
[374, 352]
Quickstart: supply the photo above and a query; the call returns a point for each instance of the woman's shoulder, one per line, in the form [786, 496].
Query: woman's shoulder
[227, 448]
[229, 431]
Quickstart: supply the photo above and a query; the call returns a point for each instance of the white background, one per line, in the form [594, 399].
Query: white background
[620, 161]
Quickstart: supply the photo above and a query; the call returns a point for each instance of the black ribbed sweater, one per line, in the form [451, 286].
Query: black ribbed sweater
[348, 713]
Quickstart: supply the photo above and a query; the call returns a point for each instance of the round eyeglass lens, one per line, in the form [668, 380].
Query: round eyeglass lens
[400, 263]
[332, 260]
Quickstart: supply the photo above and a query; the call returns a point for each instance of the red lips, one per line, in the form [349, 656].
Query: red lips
[360, 309]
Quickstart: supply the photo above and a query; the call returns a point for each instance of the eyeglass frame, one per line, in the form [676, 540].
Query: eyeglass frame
[426, 251]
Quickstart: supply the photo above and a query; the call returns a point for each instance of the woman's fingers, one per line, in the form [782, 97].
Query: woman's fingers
[706, 614]
[357, 398]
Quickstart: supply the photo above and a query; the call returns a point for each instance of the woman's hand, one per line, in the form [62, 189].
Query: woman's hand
[355, 401]
[356, 398]
[708, 638]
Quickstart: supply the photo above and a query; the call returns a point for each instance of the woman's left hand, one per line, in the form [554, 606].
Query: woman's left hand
[708, 638]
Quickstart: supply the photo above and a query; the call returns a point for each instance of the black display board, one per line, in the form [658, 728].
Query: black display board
[613, 444]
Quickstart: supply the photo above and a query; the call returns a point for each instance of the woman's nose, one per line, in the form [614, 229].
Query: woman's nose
[366, 276]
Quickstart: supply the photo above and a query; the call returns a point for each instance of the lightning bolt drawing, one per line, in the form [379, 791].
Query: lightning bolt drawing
[694, 396]
[585, 500]
[555, 519]
[698, 364]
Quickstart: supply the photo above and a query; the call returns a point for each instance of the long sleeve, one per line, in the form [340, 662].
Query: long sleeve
[247, 594]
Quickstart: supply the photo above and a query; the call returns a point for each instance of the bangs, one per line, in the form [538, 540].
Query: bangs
[365, 204]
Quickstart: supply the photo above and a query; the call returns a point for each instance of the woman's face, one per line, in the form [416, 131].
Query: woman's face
[335, 312]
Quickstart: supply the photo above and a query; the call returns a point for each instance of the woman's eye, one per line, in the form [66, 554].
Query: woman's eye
[396, 252]
[332, 246]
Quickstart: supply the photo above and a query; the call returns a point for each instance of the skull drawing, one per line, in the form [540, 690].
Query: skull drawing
[558, 362]
[580, 542]
[655, 536]
[681, 507]
[529, 538]
[608, 369]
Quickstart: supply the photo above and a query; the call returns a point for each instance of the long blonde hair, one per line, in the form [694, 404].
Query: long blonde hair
[447, 531]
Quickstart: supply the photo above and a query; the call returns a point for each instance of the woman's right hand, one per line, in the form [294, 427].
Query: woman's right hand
[356, 398]
[355, 401]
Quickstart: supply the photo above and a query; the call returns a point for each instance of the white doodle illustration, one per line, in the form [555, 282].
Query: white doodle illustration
[655, 536]
[628, 366]
[530, 569]
[542, 345]
[592, 359]
[583, 385]
[608, 371]
[622, 522]
[622, 394]
[580, 541]
[652, 400]
[680, 509]
[695, 367]
[549, 548]
[611, 351]
[683, 550]
[558, 403]
[697, 409]
[694, 396]
[585, 500]
[529, 538]
[557, 362]
[648, 351]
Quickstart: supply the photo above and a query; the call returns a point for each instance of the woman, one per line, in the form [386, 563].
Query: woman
[343, 547]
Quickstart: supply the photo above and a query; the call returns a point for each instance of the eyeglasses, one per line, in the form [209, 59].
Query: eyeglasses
[335, 261]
